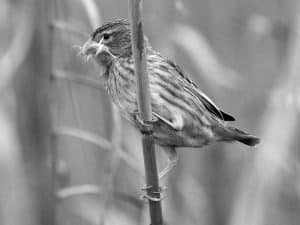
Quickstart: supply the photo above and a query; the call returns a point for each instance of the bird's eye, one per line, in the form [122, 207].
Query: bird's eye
[106, 36]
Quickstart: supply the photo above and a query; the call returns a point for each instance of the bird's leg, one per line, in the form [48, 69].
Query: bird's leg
[176, 122]
[143, 125]
[172, 160]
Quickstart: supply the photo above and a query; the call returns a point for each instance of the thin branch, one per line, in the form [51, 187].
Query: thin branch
[83, 135]
[90, 189]
[78, 190]
[145, 111]
[98, 141]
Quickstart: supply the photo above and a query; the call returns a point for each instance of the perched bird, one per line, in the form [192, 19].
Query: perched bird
[186, 117]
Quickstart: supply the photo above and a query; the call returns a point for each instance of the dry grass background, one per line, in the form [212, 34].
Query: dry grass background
[54, 113]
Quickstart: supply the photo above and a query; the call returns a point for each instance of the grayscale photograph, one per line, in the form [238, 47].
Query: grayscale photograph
[139, 112]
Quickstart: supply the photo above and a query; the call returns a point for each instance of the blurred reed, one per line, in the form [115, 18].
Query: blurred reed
[263, 181]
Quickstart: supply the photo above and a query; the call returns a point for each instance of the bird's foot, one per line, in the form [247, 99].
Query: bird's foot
[150, 198]
[152, 195]
[143, 125]
[160, 190]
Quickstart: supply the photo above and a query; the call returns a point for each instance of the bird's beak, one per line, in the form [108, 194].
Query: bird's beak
[92, 48]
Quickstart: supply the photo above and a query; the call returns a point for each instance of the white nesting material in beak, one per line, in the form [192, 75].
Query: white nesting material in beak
[92, 48]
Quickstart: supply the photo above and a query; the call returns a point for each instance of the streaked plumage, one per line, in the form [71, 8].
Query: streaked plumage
[186, 116]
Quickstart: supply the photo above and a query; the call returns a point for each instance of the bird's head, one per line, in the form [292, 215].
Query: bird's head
[111, 40]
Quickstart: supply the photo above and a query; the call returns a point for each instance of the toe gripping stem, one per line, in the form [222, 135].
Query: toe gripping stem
[146, 127]
[152, 198]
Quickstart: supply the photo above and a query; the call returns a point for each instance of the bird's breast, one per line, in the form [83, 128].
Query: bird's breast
[121, 87]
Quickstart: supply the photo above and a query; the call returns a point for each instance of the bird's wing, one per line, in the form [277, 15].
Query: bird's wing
[192, 89]
[176, 123]
[209, 104]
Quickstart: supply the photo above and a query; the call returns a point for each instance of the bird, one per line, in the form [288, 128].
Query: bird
[185, 116]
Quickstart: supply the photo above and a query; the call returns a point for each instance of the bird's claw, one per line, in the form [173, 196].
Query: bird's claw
[144, 126]
[151, 198]
[160, 189]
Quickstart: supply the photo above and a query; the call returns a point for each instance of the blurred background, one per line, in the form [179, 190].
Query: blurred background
[66, 156]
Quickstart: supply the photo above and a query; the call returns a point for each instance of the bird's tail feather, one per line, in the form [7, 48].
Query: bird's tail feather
[235, 134]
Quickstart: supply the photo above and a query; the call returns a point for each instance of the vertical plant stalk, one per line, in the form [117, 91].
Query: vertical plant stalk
[34, 124]
[261, 186]
[145, 112]
[51, 16]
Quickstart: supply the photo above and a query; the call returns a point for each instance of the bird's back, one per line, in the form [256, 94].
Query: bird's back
[183, 119]
[186, 116]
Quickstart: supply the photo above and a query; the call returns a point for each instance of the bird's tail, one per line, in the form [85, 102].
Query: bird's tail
[234, 134]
